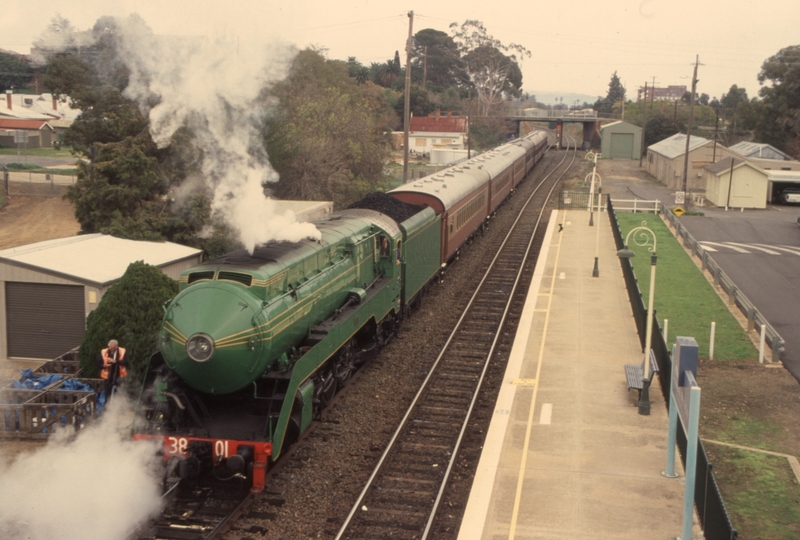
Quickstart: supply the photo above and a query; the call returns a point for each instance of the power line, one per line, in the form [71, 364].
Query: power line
[353, 23]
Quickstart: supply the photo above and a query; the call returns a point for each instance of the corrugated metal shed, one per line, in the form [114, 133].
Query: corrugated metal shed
[620, 140]
[675, 146]
[48, 288]
[758, 150]
[94, 259]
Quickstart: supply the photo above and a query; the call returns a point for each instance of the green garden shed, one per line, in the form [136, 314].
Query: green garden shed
[620, 140]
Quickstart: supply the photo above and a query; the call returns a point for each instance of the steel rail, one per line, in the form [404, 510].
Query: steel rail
[344, 528]
[496, 338]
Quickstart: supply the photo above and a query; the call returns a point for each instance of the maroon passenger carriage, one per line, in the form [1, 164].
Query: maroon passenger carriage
[466, 195]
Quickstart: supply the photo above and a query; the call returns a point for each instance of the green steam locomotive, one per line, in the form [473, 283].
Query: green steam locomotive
[254, 346]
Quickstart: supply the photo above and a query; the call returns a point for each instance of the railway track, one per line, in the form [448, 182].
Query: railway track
[196, 514]
[404, 492]
[206, 513]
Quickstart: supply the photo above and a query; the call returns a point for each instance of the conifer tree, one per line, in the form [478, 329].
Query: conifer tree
[131, 313]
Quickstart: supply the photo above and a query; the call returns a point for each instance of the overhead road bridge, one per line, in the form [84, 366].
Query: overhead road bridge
[556, 118]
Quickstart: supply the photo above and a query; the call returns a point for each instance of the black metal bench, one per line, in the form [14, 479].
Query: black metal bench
[635, 374]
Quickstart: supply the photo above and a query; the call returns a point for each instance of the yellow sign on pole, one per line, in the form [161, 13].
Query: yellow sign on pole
[678, 211]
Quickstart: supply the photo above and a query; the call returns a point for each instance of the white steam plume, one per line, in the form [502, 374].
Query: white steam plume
[215, 88]
[98, 486]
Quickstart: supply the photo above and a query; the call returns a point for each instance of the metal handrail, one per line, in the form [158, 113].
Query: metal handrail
[549, 113]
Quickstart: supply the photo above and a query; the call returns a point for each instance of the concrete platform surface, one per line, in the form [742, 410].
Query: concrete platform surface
[567, 455]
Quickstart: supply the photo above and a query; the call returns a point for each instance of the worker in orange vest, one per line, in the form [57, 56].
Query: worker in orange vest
[114, 365]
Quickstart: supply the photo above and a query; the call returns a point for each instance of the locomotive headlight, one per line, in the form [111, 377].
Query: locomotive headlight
[200, 347]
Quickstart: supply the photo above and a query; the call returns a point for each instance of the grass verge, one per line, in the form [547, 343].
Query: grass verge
[64, 152]
[743, 403]
[683, 295]
[760, 493]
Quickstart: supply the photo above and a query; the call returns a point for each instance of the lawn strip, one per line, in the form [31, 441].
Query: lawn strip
[683, 295]
[760, 492]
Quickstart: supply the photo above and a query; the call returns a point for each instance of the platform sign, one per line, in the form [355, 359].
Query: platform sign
[684, 404]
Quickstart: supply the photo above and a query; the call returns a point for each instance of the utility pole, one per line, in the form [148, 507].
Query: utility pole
[653, 92]
[407, 107]
[644, 123]
[716, 129]
[689, 127]
[425, 68]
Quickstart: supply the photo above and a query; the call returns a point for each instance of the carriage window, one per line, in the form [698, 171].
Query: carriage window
[384, 243]
[399, 251]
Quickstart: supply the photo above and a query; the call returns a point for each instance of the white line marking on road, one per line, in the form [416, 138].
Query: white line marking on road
[789, 249]
[754, 246]
[547, 414]
[734, 248]
[562, 275]
[707, 247]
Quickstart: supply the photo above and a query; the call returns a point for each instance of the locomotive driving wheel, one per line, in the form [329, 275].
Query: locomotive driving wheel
[343, 365]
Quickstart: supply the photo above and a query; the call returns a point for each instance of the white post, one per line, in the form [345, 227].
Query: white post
[634, 206]
[666, 331]
[761, 344]
[711, 344]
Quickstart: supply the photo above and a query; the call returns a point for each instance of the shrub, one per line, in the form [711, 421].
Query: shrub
[130, 312]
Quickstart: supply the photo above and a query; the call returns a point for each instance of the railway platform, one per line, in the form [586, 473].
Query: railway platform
[567, 455]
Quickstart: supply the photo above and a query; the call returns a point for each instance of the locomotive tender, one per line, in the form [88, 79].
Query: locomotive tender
[254, 346]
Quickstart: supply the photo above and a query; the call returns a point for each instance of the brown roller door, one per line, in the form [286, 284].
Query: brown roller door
[43, 320]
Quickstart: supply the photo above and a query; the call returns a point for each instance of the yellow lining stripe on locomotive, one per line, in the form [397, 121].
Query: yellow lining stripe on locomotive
[274, 278]
[175, 333]
[279, 326]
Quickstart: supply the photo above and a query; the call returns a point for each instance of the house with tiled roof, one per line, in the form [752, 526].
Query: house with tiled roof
[25, 132]
[58, 113]
[437, 132]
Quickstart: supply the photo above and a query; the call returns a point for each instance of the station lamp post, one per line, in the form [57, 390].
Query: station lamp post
[641, 237]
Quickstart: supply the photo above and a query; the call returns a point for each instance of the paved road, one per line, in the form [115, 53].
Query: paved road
[42, 161]
[758, 249]
[760, 252]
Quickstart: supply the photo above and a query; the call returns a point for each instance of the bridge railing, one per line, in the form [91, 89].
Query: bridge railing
[545, 113]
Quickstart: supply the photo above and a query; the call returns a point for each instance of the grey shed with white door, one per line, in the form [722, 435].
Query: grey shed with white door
[48, 288]
[620, 140]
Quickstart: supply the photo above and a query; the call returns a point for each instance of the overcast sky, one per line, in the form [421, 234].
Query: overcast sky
[576, 45]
